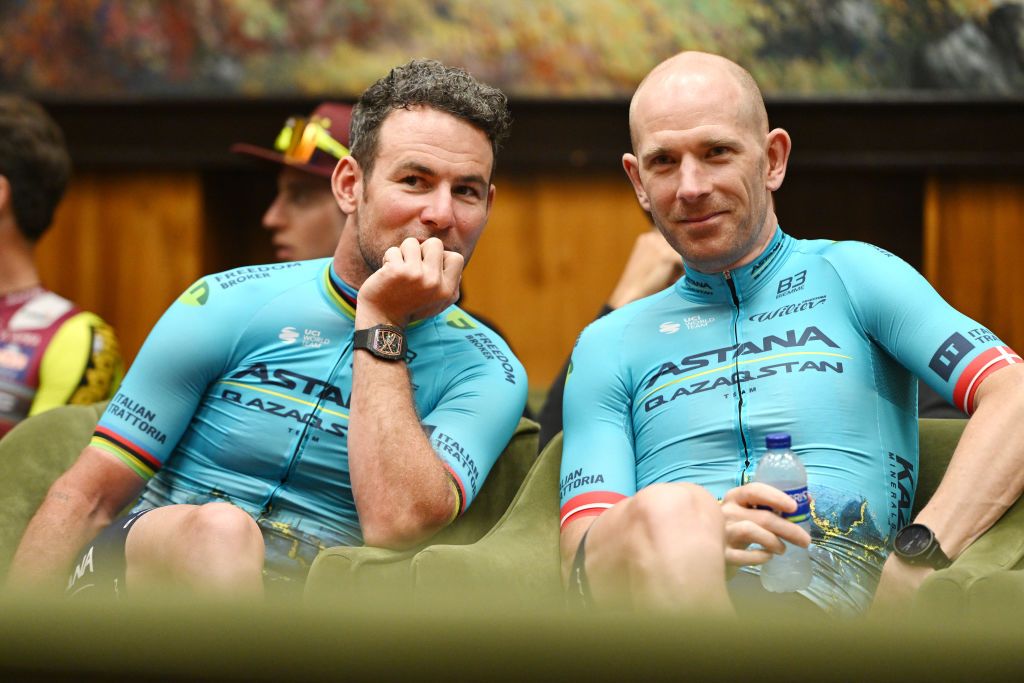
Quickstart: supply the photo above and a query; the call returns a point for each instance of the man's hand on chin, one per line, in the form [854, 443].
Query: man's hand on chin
[415, 281]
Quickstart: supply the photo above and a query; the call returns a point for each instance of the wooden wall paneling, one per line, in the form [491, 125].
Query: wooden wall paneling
[552, 251]
[124, 245]
[972, 255]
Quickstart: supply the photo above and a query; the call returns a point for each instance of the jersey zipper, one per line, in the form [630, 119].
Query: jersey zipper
[300, 445]
[739, 389]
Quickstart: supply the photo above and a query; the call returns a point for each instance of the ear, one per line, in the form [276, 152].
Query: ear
[490, 197]
[632, 167]
[347, 184]
[778, 148]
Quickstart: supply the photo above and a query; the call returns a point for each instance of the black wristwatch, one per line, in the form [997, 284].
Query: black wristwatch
[384, 341]
[916, 545]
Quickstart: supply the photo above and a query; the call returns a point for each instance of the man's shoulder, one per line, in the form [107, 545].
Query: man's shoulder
[842, 251]
[251, 285]
[42, 310]
[463, 339]
[640, 317]
[455, 325]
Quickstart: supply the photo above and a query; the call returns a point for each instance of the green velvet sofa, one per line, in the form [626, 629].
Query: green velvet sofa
[482, 600]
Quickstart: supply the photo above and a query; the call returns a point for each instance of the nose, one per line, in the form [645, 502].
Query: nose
[438, 212]
[274, 216]
[694, 180]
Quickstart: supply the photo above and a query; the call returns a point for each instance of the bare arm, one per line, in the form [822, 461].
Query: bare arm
[652, 266]
[402, 491]
[80, 503]
[985, 477]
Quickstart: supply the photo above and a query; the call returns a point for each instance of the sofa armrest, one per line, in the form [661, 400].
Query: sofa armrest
[517, 560]
[1000, 550]
[341, 570]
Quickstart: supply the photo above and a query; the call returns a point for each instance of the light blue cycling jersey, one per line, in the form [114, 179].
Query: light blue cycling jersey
[816, 338]
[241, 393]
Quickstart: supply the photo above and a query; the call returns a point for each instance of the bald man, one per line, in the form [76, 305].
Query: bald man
[671, 397]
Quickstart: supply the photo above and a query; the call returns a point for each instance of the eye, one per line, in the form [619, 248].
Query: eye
[661, 160]
[718, 151]
[297, 195]
[466, 191]
[411, 180]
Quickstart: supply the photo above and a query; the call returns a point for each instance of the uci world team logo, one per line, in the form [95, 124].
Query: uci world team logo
[196, 295]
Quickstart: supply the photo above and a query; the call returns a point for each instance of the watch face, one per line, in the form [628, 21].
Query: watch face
[913, 540]
[388, 342]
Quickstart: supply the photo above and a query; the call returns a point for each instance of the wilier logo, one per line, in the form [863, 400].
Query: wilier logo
[196, 295]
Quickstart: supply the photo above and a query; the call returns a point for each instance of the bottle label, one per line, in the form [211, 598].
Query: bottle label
[803, 505]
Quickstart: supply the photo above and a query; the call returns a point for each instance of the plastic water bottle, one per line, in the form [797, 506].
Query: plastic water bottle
[781, 468]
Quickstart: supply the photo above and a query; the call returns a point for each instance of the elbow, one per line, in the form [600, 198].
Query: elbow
[397, 530]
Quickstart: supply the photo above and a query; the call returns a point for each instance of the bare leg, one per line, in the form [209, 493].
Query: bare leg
[662, 549]
[212, 548]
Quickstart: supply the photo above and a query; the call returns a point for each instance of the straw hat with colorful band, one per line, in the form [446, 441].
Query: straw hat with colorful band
[313, 144]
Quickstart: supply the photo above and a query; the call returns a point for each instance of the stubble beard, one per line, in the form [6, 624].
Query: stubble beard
[372, 261]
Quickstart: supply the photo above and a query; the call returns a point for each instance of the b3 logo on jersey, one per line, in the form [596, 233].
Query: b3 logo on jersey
[788, 285]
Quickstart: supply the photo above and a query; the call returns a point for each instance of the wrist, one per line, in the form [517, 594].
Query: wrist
[368, 315]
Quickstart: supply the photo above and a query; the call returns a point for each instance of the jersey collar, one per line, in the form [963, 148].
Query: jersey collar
[343, 295]
[747, 280]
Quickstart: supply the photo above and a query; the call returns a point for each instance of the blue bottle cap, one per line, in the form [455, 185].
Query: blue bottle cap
[777, 441]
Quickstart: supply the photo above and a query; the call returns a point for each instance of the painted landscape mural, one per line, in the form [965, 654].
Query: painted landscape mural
[576, 49]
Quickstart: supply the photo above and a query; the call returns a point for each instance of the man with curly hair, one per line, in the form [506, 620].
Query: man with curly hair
[277, 410]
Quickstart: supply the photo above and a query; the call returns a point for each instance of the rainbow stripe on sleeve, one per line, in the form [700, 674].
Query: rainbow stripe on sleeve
[460, 490]
[144, 464]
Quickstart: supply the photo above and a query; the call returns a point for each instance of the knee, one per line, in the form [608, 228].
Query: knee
[225, 525]
[676, 510]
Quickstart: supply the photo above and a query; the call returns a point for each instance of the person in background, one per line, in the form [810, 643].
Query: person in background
[652, 266]
[304, 220]
[51, 351]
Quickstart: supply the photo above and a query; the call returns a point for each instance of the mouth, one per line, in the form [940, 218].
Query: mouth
[703, 218]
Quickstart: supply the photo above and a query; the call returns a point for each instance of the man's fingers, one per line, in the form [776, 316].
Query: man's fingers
[743, 533]
[392, 255]
[412, 254]
[452, 270]
[433, 262]
[739, 557]
[757, 494]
